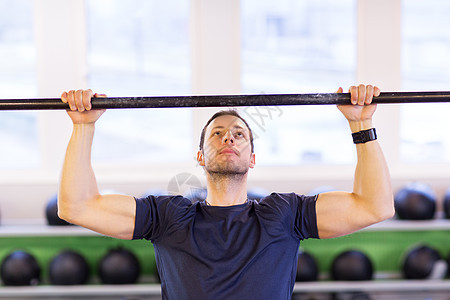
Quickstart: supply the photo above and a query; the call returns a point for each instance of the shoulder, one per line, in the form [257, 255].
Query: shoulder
[154, 214]
[289, 206]
[297, 211]
[163, 209]
[286, 199]
[166, 203]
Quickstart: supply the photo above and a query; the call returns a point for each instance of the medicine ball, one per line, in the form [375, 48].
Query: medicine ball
[447, 204]
[68, 268]
[352, 265]
[419, 262]
[448, 265]
[416, 201]
[257, 193]
[20, 268]
[307, 269]
[51, 212]
[119, 266]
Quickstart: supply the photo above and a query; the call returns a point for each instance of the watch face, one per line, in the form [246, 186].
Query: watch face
[364, 136]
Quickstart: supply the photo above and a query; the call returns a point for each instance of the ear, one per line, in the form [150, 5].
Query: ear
[252, 160]
[200, 158]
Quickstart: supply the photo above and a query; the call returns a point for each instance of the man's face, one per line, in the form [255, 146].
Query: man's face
[227, 148]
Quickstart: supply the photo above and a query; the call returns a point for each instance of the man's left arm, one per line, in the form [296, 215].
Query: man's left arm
[340, 213]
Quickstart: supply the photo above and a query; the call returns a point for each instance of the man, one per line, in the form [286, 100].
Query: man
[227, 247]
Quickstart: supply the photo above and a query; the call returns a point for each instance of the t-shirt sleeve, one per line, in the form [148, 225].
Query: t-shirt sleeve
[154, 214]
[305, 222]
[297, 211]
[144, 219]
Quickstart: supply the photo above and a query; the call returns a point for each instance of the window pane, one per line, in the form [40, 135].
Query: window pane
[425, 66]
[140, 48]
[18, 130]
[293, 46]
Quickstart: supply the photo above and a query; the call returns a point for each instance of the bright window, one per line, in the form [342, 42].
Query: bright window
[424, 128]
[293, 46]
[140, 48]
[18, 130]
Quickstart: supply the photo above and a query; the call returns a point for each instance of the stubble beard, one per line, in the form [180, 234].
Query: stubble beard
[227, 171]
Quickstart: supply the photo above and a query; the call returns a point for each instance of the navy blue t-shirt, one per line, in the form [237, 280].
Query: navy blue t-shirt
[246, 251]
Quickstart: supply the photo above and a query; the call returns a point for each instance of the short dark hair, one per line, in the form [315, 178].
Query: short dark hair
[230, 112]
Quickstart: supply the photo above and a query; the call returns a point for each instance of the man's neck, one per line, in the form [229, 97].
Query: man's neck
[226, 190]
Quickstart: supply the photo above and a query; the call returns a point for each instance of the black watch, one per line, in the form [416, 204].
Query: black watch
[364, 136]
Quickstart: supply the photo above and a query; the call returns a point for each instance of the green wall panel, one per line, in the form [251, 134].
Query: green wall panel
[93, 248]
[386, 249]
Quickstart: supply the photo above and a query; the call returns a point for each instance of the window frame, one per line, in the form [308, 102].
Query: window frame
[215, 64]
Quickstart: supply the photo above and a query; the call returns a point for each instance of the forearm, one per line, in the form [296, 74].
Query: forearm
[372, 184]
[78, 184]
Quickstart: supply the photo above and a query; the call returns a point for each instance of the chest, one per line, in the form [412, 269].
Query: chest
[230, 234]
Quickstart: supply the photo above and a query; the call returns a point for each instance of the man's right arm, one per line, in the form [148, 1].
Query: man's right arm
[79, 200]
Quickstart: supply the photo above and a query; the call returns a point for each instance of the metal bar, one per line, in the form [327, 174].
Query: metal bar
[225, 100]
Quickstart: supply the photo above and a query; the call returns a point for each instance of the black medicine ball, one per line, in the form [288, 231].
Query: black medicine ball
[352, 265]
[448, 265]
[119, 266]
[415, 202]
[447, 204]
[419, 262]
[20, 268]
[68, 268]
[307, 269]
[51, 212]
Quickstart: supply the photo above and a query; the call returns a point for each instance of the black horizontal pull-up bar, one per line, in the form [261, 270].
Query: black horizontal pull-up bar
[224, 100]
